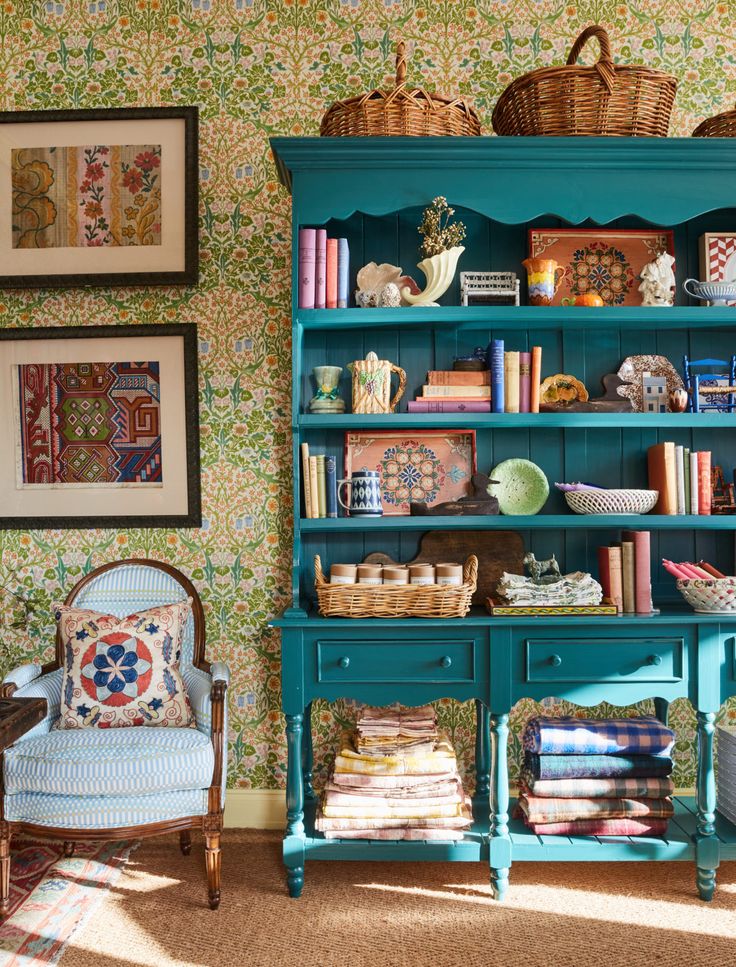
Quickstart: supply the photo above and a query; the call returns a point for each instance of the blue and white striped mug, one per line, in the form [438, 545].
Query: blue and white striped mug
[365, 493]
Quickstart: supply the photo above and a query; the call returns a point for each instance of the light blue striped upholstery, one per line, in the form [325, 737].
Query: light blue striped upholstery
[103, 812]
[110, 762]
[48, 687]
[24, 674]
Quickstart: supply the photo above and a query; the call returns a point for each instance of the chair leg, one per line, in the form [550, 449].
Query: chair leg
[212, 857]
[4, 868]
[185, 841]
[68, 848]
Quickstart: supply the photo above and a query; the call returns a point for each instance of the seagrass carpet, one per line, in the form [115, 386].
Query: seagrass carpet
[402, 915]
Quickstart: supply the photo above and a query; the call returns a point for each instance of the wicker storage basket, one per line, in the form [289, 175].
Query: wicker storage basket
[606, 98]
[720, 126]
[611, 501]
[395, 601]
[401, 111]
[709, 597]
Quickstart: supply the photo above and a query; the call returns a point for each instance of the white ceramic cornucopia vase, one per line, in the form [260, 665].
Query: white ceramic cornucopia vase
[439, 271]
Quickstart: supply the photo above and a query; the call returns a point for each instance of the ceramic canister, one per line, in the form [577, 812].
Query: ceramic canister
[421, 574]
[343, 574]
[370, 574]
[395, 575]
[449, 574]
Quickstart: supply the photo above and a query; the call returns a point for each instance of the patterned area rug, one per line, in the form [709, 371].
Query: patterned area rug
[51, 895]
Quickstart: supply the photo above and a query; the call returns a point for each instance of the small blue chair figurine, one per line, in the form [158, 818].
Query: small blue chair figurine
[718, 397]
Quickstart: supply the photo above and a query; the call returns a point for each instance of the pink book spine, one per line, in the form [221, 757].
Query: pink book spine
[447, 406]
[331, 274]
[642, 569]
[307, 244]
[525, 382]
[321, 270]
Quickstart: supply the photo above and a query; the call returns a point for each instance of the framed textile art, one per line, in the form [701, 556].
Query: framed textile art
[99, 197]
[99, 427]
[417, 465]
[718, 257]
[604, 261]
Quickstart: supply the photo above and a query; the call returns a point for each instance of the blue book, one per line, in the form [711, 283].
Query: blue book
[495, 364]
[331, 486]
[343, 273]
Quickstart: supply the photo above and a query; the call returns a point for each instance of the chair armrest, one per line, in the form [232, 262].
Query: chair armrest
[220, 672]
[207, 695]
[20, 676]
[39, 685]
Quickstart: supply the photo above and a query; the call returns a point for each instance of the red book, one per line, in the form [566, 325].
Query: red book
[615, 570]
[320, 269]
[705, 493]
[536, 379]
[307, 248]
[642, 569]
[331, 274]
[525, 382]
[604, 572]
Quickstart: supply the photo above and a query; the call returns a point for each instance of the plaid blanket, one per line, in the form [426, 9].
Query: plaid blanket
[627, 788]
[596, 766]
[644, 735]
[601, 827]
[539, 810]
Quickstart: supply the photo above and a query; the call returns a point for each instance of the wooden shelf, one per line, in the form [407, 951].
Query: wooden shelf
[685, 522]
[516, 421]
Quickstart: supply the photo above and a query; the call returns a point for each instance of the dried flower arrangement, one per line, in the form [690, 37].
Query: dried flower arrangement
[439, 234]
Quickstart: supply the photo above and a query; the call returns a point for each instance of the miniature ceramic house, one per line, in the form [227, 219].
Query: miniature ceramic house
[654, 393]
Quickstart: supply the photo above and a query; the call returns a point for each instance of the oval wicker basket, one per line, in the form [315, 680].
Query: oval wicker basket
[395, 601]
[720, 126]
[709, 597]
[604, 99]
[611, 501]
[401, 111]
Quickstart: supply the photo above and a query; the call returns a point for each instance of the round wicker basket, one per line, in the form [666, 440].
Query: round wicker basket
[611, 501]
[401, 111]
[720, 126]
[605, 99]
[717, 596]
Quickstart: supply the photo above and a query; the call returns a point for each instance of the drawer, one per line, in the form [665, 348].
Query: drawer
[604, 660]
[395, 661]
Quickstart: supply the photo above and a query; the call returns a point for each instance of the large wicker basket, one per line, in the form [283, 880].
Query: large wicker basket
[395, 601]
[401, 111]
[720, 126]
[605, 99]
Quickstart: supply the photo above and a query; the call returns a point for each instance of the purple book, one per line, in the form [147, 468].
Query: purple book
[307, 248]
[525, 382]
[448, 406]
[320, 290]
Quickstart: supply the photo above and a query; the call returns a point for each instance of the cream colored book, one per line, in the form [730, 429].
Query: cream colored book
[627, 567]
[305, 481]
[511, 381]
[449, 389]
[313, 486]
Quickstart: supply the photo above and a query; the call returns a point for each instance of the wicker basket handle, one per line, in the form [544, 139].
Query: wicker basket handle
[400, 63]
[604, 65]
[470, 572]
[319, 577]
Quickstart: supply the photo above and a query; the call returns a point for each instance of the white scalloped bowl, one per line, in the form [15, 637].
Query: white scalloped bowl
[611, 501]
[717, 596]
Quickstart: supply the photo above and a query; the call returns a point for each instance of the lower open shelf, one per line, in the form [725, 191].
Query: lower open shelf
[677, 844]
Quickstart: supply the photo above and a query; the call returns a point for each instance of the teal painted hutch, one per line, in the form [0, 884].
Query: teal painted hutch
[372, 191]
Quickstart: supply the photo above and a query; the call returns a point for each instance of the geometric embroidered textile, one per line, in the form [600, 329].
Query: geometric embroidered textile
[89, 424]
[719, 259]
[88, 195]
[123, 672]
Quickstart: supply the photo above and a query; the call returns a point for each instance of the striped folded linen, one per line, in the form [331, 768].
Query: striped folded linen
[643, 735]
[539, 810]
[597, 766]
[441, 760]
[649, 787]
[444, 792]
[601, 827]
[401, 811]
[462, 820]
[397, 784]
[410, 833]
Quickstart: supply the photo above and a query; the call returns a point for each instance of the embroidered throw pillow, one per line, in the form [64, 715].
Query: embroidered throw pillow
[123, 671]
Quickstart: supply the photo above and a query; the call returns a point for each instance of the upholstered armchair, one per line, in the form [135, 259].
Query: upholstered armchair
[121, 783]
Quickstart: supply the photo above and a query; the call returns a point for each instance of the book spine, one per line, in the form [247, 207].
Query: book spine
[321, 490]
[497, 375]
[604, 573]
[331, 274]
[627, 569]
[307, 260]
[511, 381]
[320, 269]
[694, 504]
[306, 481]
[616, 573]
[680, 475]
[466, 392]
[453, 377]
[449, 406]
[536, 379]
[343, 272]
[331, 486]
[686, 469]
[704, 482]
[525, 382]
[642, 569]
[670, 469]
[314, 496]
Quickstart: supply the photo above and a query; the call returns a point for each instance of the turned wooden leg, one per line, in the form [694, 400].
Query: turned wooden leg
[662, 710]
[185, 841]
[482, 751]
[4, 868]
[294, 840]
[500, 841]
[307, 753]
[212, 857]
[707, 852]
[68, 847]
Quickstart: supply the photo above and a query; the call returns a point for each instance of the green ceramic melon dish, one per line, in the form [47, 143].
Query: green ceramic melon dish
[522, 487]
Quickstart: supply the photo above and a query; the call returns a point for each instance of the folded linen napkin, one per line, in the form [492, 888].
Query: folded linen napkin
[441, 760]
[572, 736]
[411, 794]
[462, 820]
[539, 810]
[389, 802]
[396, 784]
[407, 833]
[596, 788]
[601, 827]
[596, 766]
[401, 811]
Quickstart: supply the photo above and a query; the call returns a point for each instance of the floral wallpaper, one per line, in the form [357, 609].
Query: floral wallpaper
[258, 68]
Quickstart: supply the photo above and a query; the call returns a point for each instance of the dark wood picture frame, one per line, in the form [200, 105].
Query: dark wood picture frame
[193, 515]
[189, 274]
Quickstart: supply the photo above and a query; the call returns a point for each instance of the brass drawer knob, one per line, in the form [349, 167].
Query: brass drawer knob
[555, 661]
[445, 661]
[344, 662]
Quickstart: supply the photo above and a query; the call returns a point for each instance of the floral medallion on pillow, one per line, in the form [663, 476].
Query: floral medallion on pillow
[123, 671]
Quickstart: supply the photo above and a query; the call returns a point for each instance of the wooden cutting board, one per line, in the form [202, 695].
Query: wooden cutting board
[497, 551]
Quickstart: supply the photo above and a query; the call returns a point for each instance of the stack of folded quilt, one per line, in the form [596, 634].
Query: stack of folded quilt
[596, 777]
[395, 777]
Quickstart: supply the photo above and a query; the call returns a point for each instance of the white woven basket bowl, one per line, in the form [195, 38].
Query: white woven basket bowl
[611, 501]
[717, 596]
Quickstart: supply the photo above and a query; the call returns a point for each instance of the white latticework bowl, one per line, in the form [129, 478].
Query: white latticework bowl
[717, 596]
[611, 501]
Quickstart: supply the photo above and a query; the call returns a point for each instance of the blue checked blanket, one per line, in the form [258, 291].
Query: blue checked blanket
[596, 766]
[644, 735]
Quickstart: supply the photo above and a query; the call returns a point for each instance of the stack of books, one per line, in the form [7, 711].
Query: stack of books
[515, 378]
[726, 797]
[682, 478]
[319, 481]
[625, 573]
[324, 265]
[454, 391]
